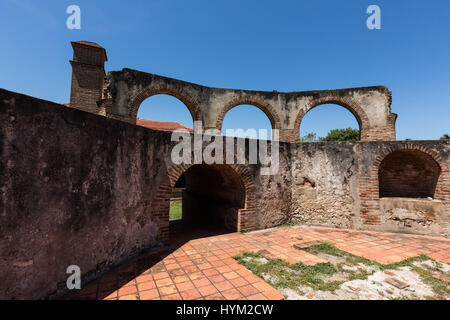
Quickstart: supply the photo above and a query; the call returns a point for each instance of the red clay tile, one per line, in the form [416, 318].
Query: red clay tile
[210, 272]
[127, 290]
[129, 297]
[217, 278]
[180, 279]
[258, 296]
[224, 285]
[232, 294]
[149, 294]
[230, 275]
[160, 275]
[185, 286]
[174, 296]
[273, 295]
[207, 290]
[201, 282]
[164, 282]
[248, 290]
[238, 282]
[167, 290]
[147, 285]
[144, 278]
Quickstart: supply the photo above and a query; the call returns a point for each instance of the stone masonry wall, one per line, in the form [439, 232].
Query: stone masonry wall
[75, 189]
[337, 184]
[325, 184]
[83, 189]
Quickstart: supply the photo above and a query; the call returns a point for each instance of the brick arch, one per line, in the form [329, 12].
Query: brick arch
[265, 107]
[347, 103]
[369, 184]
[161, 206]
[146, 93]
[443, 183]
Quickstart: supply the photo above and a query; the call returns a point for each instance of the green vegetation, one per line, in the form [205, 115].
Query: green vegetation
[176, 211]
[325, 247]
[310, 137]
[289, 223]
[439, 286]
[445, 137]
[348, 134]
[280, 274]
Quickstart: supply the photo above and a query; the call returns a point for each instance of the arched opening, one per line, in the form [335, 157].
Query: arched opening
[408, 174]
[164, 112]
[211, 196]
[247, 121]
[329, 122]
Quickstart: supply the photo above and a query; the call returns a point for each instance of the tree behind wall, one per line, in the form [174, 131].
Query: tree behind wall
[348, 134]
[310, 137]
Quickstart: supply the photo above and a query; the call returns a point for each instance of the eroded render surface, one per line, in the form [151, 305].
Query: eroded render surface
[81, 187]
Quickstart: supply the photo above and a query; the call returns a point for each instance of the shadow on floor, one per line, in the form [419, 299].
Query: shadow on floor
[145, 262]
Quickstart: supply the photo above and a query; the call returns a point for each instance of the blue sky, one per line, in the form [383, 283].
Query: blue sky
[261, 45]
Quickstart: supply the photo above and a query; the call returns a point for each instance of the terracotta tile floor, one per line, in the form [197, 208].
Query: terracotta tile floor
[203, 268]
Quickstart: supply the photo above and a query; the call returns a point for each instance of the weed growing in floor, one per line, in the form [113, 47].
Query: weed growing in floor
[287, 224]
[327, 248]
[280, 274]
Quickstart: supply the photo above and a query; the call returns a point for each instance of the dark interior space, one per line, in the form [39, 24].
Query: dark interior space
[211, 198]
[408, 174]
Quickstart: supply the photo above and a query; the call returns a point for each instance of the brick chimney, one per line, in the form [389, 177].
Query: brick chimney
[88, 74]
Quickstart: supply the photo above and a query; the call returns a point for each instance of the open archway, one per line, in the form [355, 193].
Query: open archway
[329, 122]
[347, 103]
[166, 90]
[251, 117]
[164, 112]
[215, 199]
[212, 196]
[247, 121]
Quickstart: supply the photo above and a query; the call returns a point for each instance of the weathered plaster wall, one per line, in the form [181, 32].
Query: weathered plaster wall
[378, 215]
[83, 189]
[75, 189]
[125, 90]
[337, 184]
[325, 184]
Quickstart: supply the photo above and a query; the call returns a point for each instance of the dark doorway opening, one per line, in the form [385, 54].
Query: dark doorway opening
[211, 196]
[408, 174]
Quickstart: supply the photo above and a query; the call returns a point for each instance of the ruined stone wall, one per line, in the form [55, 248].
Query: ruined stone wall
[125, 90]
[405, 214]
[325, 184]
[75, 189]
[83, 189]
[337, 184]
[78, 188]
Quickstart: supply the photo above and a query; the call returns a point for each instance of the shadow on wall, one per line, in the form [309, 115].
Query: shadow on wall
[408, 174]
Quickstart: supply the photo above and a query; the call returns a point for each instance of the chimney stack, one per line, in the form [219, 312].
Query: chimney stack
[88, 74]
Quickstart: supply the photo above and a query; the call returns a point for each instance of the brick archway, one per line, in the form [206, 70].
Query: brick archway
[268, 110]
[161, 207]
[347, 103]
[188, 101]
[369, 184]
